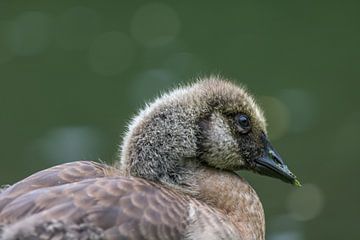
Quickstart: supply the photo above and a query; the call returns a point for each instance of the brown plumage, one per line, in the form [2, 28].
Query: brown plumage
[175, 178]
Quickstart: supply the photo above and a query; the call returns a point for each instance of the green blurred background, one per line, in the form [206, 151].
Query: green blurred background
[73, 73]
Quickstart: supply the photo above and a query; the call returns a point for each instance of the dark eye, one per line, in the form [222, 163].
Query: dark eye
[243, 123]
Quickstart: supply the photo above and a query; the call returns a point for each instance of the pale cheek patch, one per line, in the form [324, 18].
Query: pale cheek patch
[221, 146]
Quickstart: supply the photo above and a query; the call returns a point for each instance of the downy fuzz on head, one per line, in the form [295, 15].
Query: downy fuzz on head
[211, 123]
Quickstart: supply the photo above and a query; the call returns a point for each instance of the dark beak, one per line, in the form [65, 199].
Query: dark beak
[271, 164]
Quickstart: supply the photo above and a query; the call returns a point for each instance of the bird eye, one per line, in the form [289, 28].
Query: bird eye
[243, 123]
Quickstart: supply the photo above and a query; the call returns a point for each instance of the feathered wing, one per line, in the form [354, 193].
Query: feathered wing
[74, 199]
[54, 176]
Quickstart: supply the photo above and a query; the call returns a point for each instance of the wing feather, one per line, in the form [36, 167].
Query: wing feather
[112, 204]
[86, 200]
[58, 175]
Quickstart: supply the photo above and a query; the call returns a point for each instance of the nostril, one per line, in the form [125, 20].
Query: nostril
[275, 157]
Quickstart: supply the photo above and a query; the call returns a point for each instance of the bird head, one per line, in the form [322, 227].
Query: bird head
[212, 123]
[234, 136]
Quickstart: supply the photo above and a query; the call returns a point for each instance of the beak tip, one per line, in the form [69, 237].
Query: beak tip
[297, 183]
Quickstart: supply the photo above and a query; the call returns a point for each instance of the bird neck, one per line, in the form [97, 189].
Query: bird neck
[160, 143]
[235, 197]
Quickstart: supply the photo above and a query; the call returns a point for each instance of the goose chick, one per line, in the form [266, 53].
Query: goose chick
[175, 178]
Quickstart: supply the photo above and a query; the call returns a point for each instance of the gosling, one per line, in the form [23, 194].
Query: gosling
[175, 179]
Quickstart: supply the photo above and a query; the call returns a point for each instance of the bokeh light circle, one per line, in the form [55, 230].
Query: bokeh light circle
[155, 24]
[305, 203]
[146, 84]
[68, 143]
[302, 107]
[29, 34]
[346, 140]
[277, 115]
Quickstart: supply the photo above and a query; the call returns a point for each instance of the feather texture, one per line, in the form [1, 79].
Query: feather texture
[88, 196]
